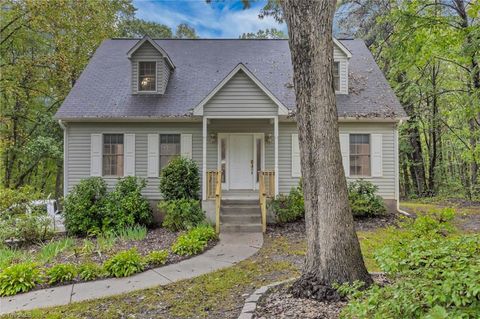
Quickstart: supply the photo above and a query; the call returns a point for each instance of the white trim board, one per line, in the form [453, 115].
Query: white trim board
[282, 109]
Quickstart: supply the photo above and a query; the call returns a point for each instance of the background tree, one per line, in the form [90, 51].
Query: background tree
[265, 34]
[184, 31]
[333, 249]
[137, 28]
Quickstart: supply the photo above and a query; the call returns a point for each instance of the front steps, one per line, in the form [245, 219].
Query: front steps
[240, 216]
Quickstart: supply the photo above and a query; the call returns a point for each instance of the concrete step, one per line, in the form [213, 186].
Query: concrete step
[241, 219]
[240, 202]
[239, 210]
[240, 228]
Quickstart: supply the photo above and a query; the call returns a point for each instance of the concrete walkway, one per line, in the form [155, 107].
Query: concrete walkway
[231, 249]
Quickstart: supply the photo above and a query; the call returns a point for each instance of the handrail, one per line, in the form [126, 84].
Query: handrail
[218, 200]
[214, 191]
[265, 192]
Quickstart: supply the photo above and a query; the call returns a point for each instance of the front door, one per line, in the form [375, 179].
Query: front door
[241, 161]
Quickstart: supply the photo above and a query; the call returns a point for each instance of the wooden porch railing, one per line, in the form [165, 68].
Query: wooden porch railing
[266, 187]
[214, 191]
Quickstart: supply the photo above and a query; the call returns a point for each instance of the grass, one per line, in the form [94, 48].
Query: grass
[132, 233]
[53, 248]
[10, 256]
[421, 207]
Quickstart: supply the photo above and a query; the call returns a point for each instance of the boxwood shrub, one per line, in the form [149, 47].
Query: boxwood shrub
[364, 200]
[180, 179]
[181, 214]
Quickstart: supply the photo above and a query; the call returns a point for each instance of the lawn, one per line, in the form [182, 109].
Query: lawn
[221, 294]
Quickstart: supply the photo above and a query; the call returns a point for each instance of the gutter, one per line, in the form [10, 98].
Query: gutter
[65, 156]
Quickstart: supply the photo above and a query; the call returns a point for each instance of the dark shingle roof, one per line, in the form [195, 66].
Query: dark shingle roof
[104, 88]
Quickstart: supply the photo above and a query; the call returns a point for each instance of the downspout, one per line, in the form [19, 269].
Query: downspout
[397, 170]
[65, 157]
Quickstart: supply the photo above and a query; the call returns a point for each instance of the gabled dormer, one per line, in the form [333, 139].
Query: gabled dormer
[341, 56]
[151, 67]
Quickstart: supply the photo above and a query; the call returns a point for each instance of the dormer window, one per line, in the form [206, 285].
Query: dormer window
[336, 76]
[147, 81]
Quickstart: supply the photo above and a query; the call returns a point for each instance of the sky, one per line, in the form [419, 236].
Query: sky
[219, 19]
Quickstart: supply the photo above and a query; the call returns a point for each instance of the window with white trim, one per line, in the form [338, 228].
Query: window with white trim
[169, 148]
[336, 76]
[360, 155]
[147, 79]
[113, 154]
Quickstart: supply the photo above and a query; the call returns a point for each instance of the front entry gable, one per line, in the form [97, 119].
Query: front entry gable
[240, 94]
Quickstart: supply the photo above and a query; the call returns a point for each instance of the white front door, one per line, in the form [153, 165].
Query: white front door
[241, 161]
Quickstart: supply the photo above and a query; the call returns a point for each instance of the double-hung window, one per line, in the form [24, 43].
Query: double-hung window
[336, 76]
[147, 80]
[169, 148]
[360, 155]
[113, 154]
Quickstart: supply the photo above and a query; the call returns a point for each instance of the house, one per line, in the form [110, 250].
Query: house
[230, 106]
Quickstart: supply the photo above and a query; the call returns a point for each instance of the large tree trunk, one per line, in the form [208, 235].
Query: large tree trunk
[333, 250]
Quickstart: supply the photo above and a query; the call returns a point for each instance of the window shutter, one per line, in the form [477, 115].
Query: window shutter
[377, 159]
[96, 155]
[345, 149]
[296, 168]
[186, 145]
[129, 161]
[153, 155]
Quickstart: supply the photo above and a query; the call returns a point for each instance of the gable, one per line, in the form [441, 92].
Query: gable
[147, 52]
[240, 96]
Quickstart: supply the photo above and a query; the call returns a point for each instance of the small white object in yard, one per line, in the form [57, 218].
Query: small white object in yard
[50, 207]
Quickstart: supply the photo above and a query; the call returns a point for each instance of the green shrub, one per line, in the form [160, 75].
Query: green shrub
[289, 208]
[194, 241]
[61, 273]
[124, 263]
[125, 206]
[363, 199]
[180, 179]
[90, 271]
[181, 214]
[157, 257]
[16, 201]
[435, 274]
[84, 206]
[30, 228]
[19, 278]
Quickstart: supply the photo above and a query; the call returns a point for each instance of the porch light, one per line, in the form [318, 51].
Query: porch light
[213, 138]
[269, 138]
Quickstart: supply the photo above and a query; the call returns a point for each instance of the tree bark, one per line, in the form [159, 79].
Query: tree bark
[333, 249]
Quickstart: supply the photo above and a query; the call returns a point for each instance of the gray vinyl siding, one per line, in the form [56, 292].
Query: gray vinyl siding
[239, 126]
[148, 53]
[78, 148]
[339, 56]
[385, 183]
[240, 96]
[78, 136]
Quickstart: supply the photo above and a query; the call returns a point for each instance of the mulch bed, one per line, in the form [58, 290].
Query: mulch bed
[156, 239]
[292, 230]
[279, 303]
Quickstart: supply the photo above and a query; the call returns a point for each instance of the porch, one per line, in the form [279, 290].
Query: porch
[240, 158]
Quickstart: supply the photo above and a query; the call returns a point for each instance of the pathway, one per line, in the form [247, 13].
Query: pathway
[231, 249]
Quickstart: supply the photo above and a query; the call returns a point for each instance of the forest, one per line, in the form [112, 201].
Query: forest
[429, 50]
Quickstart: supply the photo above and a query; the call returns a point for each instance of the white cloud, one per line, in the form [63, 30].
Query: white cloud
[209, 22]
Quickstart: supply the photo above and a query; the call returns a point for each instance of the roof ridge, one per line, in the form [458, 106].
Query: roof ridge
[218, 39]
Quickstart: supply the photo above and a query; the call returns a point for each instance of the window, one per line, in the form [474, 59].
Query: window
[147, 76]
[336, 76]
[359, 154]
[169, 148]
[113, 154]
[258, 145]
[223, 159]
